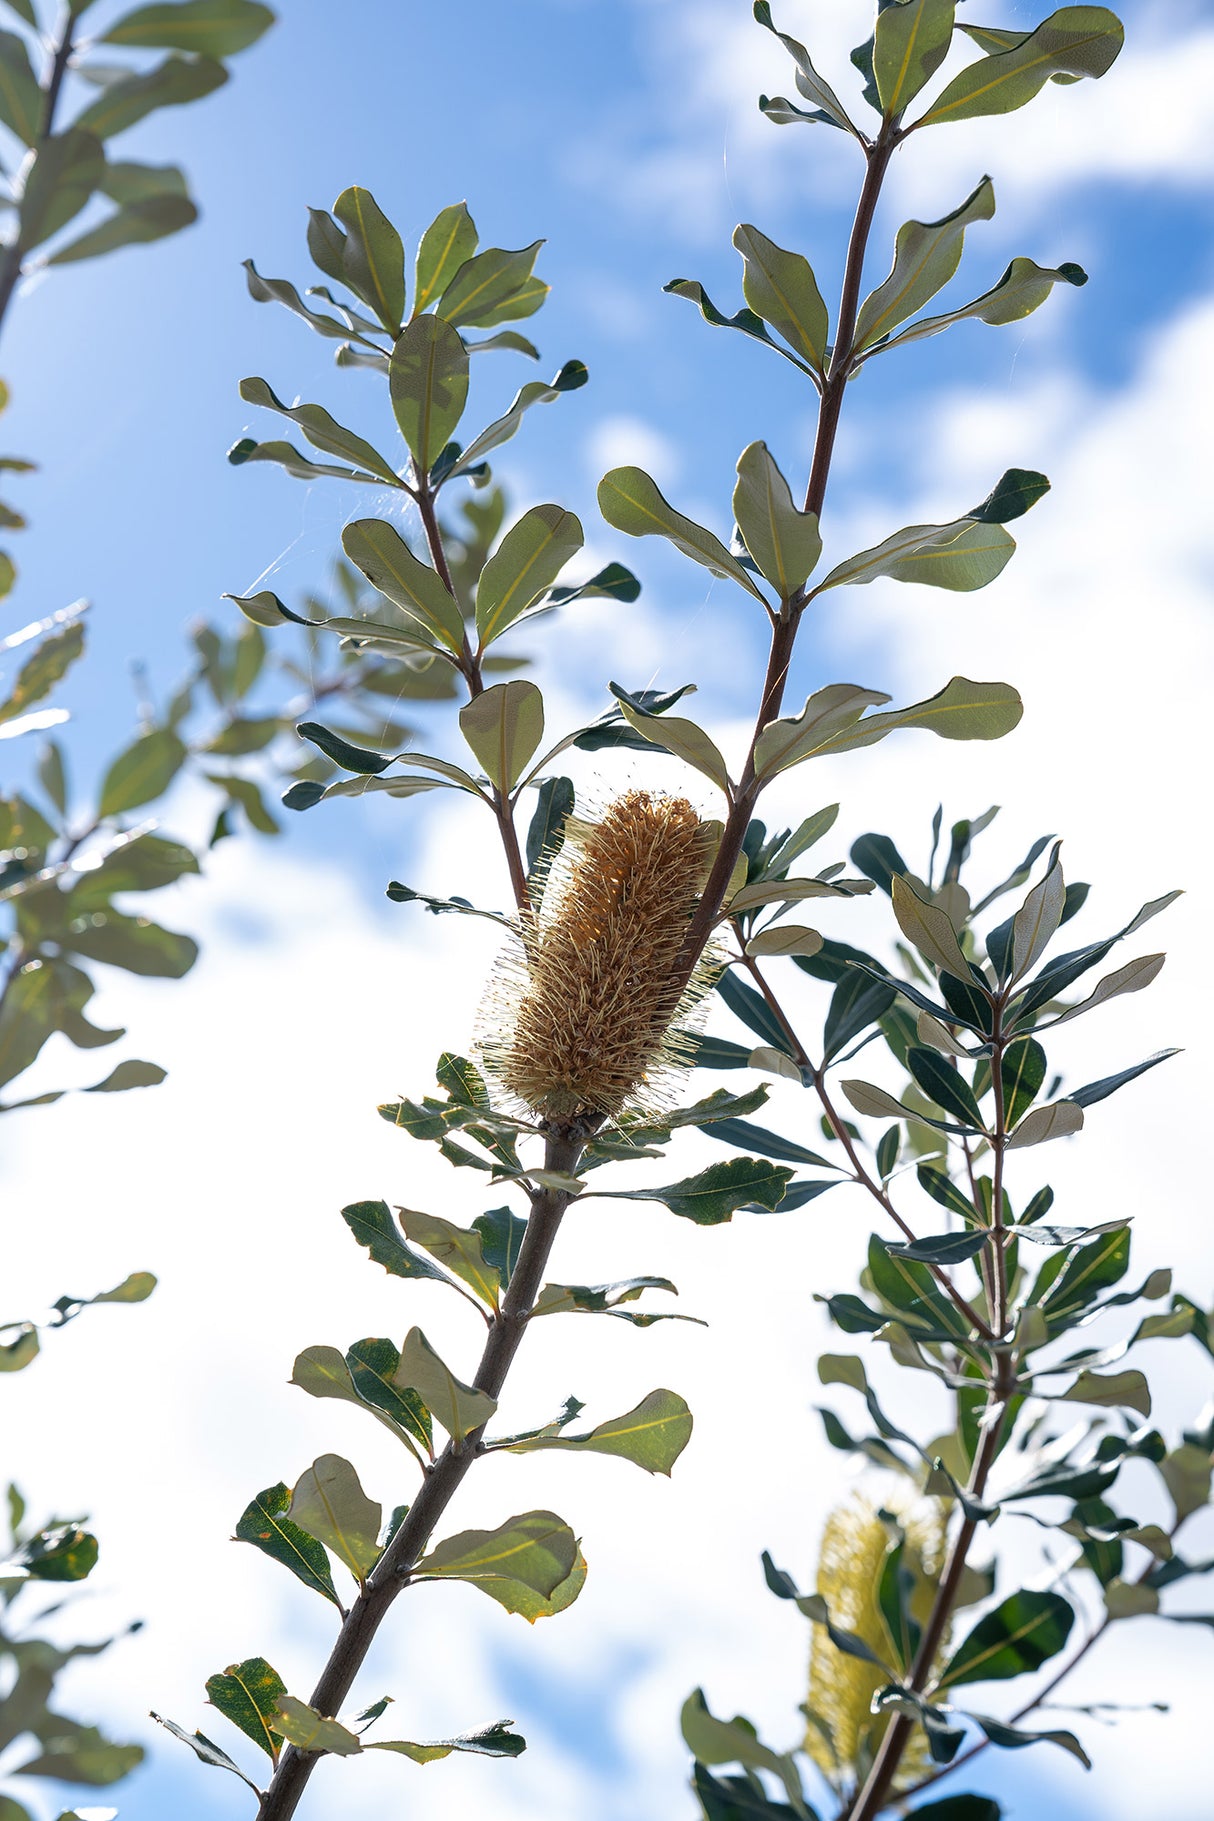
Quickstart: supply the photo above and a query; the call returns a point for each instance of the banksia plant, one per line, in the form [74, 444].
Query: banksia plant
[598, 1020]
[615, 937]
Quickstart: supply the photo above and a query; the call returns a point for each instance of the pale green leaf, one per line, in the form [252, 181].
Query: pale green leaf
[330, 1504]
[926, 254]
[781, 288]
[631, 501]
[504, 726]
[378, 549]
[458, 1407]
[525, 563]
[428, 381]
[784, 542]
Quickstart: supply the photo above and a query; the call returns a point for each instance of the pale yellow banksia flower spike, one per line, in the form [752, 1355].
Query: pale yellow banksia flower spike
[592, 1018]
[855, 1543]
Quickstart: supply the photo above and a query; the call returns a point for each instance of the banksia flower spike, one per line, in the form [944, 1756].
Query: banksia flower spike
[843, 1732]
[593, 1014]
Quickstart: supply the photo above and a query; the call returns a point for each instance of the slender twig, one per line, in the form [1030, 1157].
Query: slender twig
[860, 1171]
[13, 254]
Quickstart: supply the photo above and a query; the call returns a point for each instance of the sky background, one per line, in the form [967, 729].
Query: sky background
[627, 134]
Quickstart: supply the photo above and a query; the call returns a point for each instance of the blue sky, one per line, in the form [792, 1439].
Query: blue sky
[625, 132]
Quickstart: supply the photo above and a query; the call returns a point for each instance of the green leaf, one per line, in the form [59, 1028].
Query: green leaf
[674, 734]
[372, 1365]
[502, 1234]
[1022, 289]
[305, 1728]
[330, 1504]
[1120, 1390]
[1100, 1090]
[247, 1694]
[715, 1194]
[714, 1741]
[378, 549]
[910, 43]
[929, 928]
[571, 376]
[20, 95]
[809, 83]
[961, 556]
[129, 1074]
[458, 1248]
[1092, 1270]
[493, 286]
[784, 542]
[458, 1407]
[632, 502]
[1023, 1072]
[799, 737]
[66, 170]
[350, 758]
[653, 1435]
[1186, 1474]
[525, 563]
[446, 245]
[265, 1524]
[143, 772]
[747, 1137]
[373, 259]
[217, 28]
[504, 726]
[81, 1754]
[322, 431]
[49, 663]
[64, 1553]
[204, 1749]
[495, 1741]
[926, 255]
[1061, 1119]
[428, 380]
[522, 1564]
[744, 320]
[962, 710]
[132, 943]
[170, 84]
[945, 1085]
[1075, 41]
[1128, 979]
[1013, 1737]
[780, 287]
[941, 1248]
[1023, 1632]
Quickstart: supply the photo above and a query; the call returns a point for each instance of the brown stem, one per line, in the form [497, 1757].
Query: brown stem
[469, 664]
[875, 1793]
[13, 254]
[859, 1171]
[391, 1573]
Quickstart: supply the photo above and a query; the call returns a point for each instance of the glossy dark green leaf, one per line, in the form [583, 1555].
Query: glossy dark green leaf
[247, 1694]
[1100, 1090]
[753, 1010]
[546, 830]
[1093, 1269]
[737, 1799]
[1023, 1632]
[1013, 495]
[958, 1808]
[169, 84]
[879, 860]
[217, 28]
[716, 1053]
[715, 1194]
[743, 1136]
[373, 1364]
[945, 1085]
[909, 1287]
[941, 1248]
[265, 1524]
[1023, 1073]
[350, 758]
[373, 1226]
[856, 1003]
[940, 1186]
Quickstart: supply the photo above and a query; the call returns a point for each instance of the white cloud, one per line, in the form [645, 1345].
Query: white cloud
[621, 441]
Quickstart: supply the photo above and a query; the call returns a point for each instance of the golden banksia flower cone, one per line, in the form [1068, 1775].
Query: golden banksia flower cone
[595, 1015]
[844, 1733]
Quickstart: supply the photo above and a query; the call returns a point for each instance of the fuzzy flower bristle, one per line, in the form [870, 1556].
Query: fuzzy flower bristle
[590, 1022]
[843, 1733]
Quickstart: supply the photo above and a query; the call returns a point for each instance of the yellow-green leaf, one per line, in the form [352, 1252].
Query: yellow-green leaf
[781, 288]
[458, 1407]
[504, 726]
[632, 502]
[378, 549]
[330, 1504]
[525, 563]
[784, 542]
[1075, 41]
